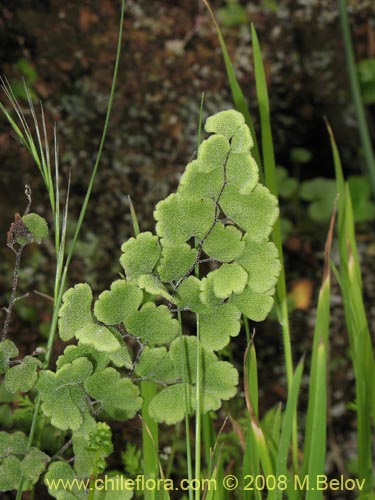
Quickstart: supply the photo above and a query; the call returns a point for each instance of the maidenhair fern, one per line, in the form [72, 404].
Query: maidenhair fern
[219, 219]
[218, 222]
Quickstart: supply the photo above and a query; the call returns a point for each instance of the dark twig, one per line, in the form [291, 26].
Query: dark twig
[13, 299]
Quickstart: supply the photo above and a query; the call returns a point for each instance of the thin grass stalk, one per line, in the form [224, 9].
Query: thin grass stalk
[363, 129]
[62, 279]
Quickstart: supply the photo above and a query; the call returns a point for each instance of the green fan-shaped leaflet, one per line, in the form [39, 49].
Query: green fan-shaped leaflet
[156, 365]
[255, 213]
[196, 184]
[59, 473]
[242, 172]
[84, 458]
[22, 377]
[229, 279]
[261, 263]
[75, 310]
[115, 305]
[140, 255]
[169, 405]
[176, 261]
[152, 284]
[75, 319]
[99, 360]
[99, 337]
[255, 306]
[34, 464]
[119, 397]
[37, 226]
[8, 350]
[179, 218]
[217, 325]
[224, 243]
[121, 357]
[153, 324]
[15, 461]
[208, 295]
[189, 295]
[14, 443]
[242, 141]
[225, 123]
[213, 153]
[186, 349]
[10, 473]
[63, 395]
[218, 382]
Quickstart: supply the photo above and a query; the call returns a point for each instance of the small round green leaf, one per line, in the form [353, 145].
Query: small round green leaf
[228, 279]
[242, 141]
[115, 305]
[169, 405]
[153, 324]
[213, 153]
[37, 226]
[224, 243]
[261, 261]
[178, 219]
[196, 184]
[225, 123]
[242, 172]
[255, 213]
[99, 337]
[156, 365]
[218, 325]
[119, 396]
[140, 255]
[75, 310]
[22, 377]
[255, 306]
[176, 261]
[8, 350]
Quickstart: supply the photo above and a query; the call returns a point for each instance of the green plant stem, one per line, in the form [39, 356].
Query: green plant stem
[363, 129]
[198, 414]
[149, 437]
[62, 279]
[187, 408]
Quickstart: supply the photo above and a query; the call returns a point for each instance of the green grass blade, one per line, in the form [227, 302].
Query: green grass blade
[287, 426]
[361, 348]
[237, 94]
[363, 129]
[315, 432]
[256, 434]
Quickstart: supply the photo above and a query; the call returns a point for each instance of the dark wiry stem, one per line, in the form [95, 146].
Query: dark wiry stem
[8, 310]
